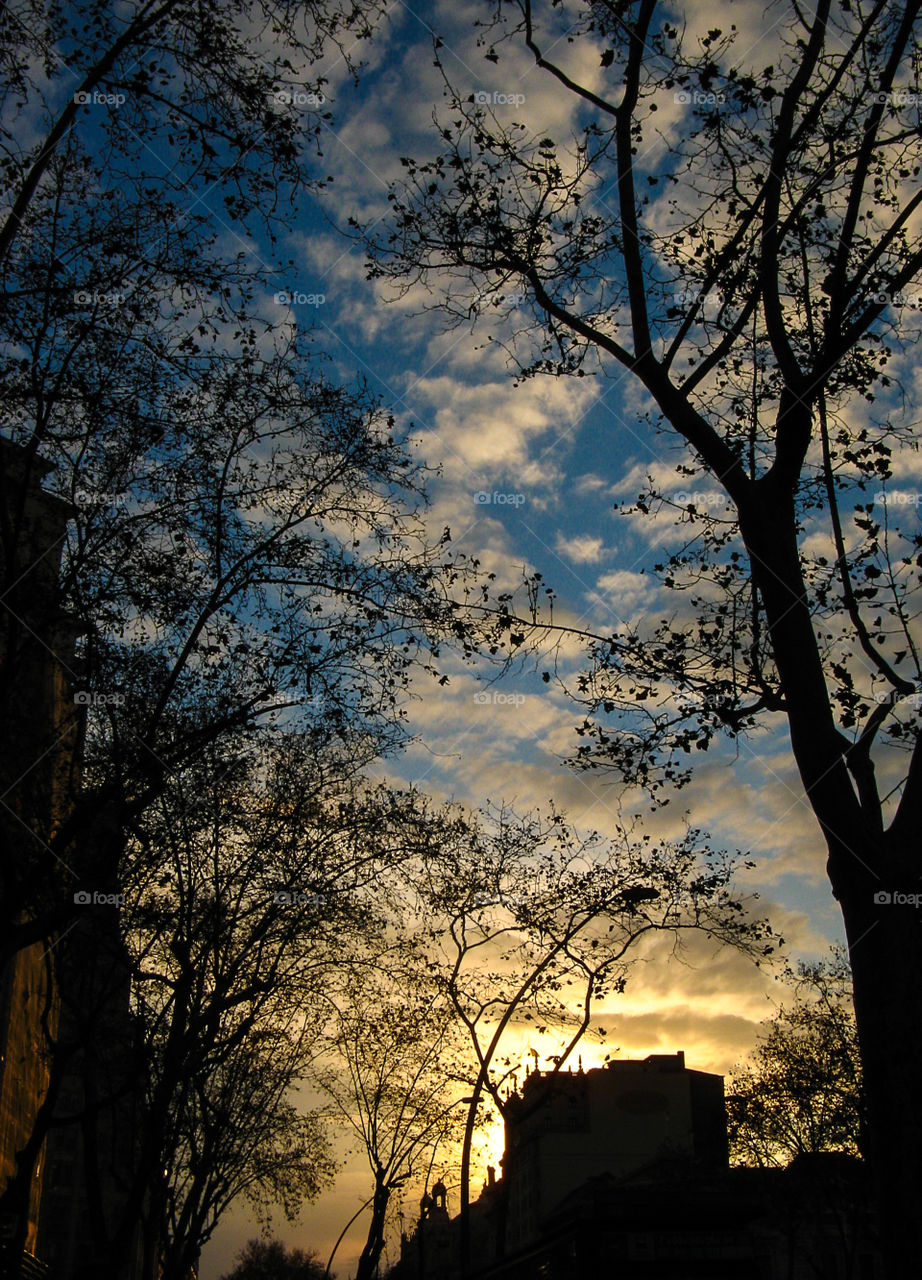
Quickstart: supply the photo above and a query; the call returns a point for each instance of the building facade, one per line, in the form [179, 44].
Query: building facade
[37, 759]
[66, 1032]
[565, 1128]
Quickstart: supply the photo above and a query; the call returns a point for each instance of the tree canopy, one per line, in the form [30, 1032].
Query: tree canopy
[270, 1260]
[732, 224]
[800, 1091]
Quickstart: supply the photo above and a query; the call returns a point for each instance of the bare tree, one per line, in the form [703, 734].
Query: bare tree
[525, 923]
[244, 557]
[751, 269]
[217, 481]
[194, 1008]
[182, 101]
[395, 1076]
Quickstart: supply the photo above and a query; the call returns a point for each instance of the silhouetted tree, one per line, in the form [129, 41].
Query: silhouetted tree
[524, 922]
[267, 577]
[178, 101]
[206, 458]
[800, 1092]
[250, 903]
[270, 1260]
[246, 559]
[395, 1077]
[737, 234]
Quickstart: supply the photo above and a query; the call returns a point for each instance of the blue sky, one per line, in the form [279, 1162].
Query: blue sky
[530, 477]
[531, 474]
[533, 477]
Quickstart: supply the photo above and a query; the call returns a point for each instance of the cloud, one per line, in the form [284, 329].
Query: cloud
[495, 433]
[581, 549]
[589, 483]
[624, 591]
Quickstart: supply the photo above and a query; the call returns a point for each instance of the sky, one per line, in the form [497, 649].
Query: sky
[537, 476]
[531, 476]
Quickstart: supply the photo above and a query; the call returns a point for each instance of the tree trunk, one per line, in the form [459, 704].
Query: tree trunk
[885, 946]
[374, 1243]
[864, 862]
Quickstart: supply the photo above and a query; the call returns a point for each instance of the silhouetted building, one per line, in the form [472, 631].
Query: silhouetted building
[564, 1128]
[37, 752]
[26, 993]
[84, 1192]
[66, 998]
[623, 1172]
[677, 1221]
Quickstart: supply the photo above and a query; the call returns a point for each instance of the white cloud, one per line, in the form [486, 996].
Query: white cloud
[581, 549]
[624, 590]
[495, 434]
